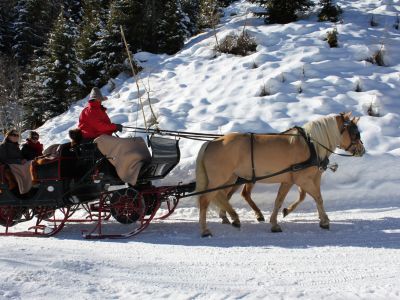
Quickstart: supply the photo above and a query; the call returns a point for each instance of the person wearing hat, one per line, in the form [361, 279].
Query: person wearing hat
[32, 147]
[9, 149]
[93, 120]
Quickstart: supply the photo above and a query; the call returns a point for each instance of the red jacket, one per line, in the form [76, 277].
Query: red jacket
[30, 150]
[94, 121]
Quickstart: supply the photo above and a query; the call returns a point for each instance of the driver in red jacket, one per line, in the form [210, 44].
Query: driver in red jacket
[93, 120]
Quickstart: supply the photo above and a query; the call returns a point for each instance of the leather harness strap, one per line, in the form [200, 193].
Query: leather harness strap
[313, 160]
[253, 178]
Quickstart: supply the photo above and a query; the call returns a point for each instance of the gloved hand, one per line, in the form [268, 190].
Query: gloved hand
[119, 127]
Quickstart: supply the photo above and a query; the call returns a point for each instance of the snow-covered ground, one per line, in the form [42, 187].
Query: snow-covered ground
[195, 90]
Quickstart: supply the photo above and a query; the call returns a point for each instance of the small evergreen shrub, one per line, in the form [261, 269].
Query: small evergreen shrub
[265, 91]
[332, 39]
[377, 58]
[242, 44]
[282, 77]
[329, 12]
[396, 25]
[372, 22]
[373, 111]
[225, 3]
[282, 11]
[358, 88]
[299, 89]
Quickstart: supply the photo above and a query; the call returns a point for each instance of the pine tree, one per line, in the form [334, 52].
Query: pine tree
[88, 46]
[208, 14]
[35, 93]
[6, 8]
[171, 29]
[329, 11]
[283, 11]
[73, 9]
[191, 10]
[225, 3]
[112, 49]
[62, 81]
[30, 28]
[131, 15]
[10, 85]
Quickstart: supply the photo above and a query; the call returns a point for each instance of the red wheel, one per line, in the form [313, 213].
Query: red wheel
[127, 206]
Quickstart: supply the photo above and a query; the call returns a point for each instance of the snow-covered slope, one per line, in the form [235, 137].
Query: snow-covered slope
[197, 90]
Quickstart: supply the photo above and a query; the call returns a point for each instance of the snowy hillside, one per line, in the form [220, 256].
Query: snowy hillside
[199, 91]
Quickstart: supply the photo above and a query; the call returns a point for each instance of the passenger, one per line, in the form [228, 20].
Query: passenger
[32, 148]
[11, 155]
[93, 120]
[9, 149]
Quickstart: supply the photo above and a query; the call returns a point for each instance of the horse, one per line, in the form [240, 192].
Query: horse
[294, 157]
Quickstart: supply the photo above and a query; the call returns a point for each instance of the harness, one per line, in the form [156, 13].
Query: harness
[313, 160]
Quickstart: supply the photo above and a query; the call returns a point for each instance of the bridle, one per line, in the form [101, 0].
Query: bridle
[353, 131]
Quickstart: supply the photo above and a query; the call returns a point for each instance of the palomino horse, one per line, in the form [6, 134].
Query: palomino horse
[285, 158]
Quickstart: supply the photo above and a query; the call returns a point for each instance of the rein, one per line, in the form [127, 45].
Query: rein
[208, 136]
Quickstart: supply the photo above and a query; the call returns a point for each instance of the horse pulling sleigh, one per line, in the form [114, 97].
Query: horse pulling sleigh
[83, 180]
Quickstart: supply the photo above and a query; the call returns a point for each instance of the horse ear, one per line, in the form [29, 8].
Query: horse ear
[348, 114]
[355, 120]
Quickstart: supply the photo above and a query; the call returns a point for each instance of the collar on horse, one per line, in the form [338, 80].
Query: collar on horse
[313, 160]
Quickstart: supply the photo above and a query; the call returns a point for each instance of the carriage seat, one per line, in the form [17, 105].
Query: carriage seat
[164, 157]
[58, 162]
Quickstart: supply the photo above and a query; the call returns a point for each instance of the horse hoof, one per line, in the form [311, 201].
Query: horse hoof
[225, 221]
[285, 212]
[206, 233]
[324, 226]
[236, 224]
[261, 219]
[276, 228]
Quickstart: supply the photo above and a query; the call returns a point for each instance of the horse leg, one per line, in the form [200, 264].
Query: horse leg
[292, 207]
[229, 192]
[222, 201]
[204, 202]
[313, 188]
[246, 194]
[224, 218]
[283, 190]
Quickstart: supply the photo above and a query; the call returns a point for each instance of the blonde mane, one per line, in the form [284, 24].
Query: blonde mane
[326, 132]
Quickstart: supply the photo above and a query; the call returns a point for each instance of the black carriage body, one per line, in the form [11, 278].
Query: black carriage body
[81, 174]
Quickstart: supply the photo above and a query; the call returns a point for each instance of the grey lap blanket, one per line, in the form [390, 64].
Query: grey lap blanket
[125, 154]
[23, 176]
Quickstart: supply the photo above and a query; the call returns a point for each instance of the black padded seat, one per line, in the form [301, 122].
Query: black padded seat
[165, 156]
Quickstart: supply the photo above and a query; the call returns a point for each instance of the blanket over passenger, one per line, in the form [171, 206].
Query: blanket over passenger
[127, 155]
[22, 175]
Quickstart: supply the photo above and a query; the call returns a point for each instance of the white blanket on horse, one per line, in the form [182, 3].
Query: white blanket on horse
[23, 176]
[125, 154]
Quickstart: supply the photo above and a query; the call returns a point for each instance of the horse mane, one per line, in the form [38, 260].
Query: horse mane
[326, 132]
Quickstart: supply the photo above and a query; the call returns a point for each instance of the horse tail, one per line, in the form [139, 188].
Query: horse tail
[201, 173]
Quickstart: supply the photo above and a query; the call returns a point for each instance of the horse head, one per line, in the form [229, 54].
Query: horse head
[351, 138]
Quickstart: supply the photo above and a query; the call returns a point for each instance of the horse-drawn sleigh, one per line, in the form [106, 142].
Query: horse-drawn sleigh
[83, 180]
